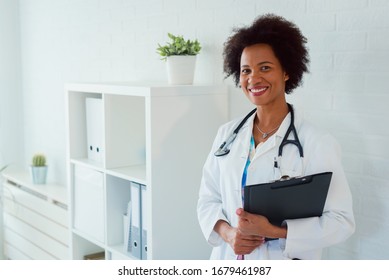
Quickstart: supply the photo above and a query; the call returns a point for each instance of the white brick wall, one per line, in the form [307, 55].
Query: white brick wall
[11, 131]
[346, 91]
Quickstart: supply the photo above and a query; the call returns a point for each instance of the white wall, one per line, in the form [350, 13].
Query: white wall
[115, 40]
[11, 110]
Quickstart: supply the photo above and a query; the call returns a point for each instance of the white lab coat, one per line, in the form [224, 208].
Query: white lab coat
[220, 190]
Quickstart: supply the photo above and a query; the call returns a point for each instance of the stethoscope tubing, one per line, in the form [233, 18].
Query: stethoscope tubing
[224, 150]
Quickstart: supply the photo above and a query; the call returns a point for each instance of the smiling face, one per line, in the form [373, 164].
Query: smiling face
[262, 77]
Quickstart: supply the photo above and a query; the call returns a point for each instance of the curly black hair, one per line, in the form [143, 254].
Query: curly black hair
[284, 37]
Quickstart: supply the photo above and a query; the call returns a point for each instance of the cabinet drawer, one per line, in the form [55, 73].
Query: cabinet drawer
[36, 202]
[13, 253]
[31, 241]
[36, 220]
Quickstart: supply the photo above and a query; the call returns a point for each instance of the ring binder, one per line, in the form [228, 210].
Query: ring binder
[135, 221]
[137, 230]
[94, 122]
[144, 223]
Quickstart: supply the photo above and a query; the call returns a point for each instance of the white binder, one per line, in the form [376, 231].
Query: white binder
[94, 128]
[135, 221]
[144, 222]
[127, 228]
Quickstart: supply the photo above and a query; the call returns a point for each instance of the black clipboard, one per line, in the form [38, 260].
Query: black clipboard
[294, 198]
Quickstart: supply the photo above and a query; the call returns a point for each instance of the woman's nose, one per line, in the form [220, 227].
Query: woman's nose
[255, 77]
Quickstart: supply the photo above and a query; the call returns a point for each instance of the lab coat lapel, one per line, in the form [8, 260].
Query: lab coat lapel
[280, 133]
[244, 137]
[265, 147]
[275, 140]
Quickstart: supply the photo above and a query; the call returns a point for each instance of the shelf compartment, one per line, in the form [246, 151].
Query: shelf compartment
[124, 130]
[77, 123]
[83, 246]
[118, 195]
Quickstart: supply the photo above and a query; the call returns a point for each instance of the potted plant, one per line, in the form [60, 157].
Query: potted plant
[39, 169]
[180, 55]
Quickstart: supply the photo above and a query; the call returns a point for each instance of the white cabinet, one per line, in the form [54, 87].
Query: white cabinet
[35, 219]
[155, 136]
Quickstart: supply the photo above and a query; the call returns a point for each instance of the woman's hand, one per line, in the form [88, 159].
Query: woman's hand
[242, 244]
[252, 224]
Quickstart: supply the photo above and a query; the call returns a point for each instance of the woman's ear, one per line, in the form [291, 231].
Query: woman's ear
[286, 77]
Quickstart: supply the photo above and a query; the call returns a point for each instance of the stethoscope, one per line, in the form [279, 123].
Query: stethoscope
[224, 147]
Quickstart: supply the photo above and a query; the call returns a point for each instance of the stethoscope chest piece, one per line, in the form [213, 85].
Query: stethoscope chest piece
[224, 148]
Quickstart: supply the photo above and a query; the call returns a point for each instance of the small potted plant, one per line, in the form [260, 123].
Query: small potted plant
[180, 55]
[39, 169]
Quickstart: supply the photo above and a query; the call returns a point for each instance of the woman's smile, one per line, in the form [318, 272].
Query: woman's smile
[258, 90]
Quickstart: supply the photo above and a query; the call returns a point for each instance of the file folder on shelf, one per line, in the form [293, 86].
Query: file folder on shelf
[126, 228]
[294, 198]
[135, 221]
[144, 223]
[94, 128]
[136, 226]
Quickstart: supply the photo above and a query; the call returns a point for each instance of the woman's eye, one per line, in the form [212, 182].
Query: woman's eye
[245, 71]
[265, 68]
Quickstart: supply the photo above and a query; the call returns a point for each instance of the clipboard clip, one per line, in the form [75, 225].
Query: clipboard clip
[284, 178]
[286, 181]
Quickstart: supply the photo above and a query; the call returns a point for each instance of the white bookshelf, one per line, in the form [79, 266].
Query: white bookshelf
[157, 136]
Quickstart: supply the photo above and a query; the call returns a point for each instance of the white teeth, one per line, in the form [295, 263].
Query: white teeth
[255, 90]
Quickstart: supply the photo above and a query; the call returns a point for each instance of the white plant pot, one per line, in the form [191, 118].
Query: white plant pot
[181, 69]
[39, 174]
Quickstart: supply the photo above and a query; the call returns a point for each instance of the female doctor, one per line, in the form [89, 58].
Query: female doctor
[267, 60]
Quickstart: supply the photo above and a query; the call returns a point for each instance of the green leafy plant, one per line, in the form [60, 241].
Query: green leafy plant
[178, 46]
[39, 160]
